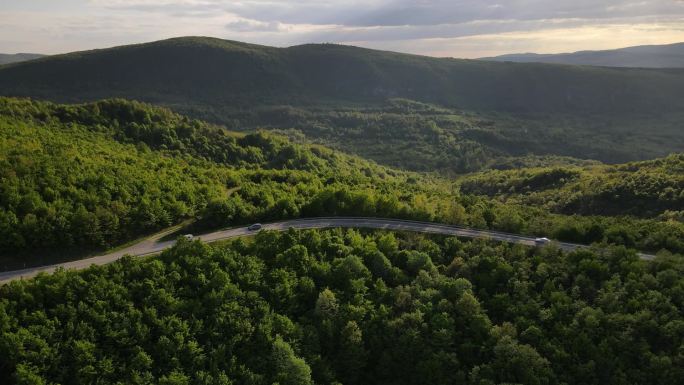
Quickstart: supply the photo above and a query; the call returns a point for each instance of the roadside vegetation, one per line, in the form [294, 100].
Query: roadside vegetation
[342, 306]
[83, 178]
[92, 176]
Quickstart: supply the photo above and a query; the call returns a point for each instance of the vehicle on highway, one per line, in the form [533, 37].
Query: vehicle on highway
[154, 245]
[189, 237]
[541, 241]
[254, 227]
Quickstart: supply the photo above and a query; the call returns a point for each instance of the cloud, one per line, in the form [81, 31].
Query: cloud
[471, 28]
[555, 40]
[409, 19]
[405, 25]
[406, 12]
[410, 12]
[254, 26]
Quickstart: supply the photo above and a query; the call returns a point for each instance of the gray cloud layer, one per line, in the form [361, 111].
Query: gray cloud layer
[412, 12]
[397, 24]
[418, 19]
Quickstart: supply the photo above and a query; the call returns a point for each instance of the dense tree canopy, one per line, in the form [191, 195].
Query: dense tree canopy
[92, 176]
[417, 136]
[646, 189]
[82, 178]
[339, 306]
[346, 307]
[337, 94]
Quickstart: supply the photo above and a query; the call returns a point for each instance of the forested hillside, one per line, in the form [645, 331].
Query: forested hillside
[87, 177]
[419, 136]
[83, 178]
[202, 211]
[343, 307]
[646, 189]
[239, 73]
[336, 94]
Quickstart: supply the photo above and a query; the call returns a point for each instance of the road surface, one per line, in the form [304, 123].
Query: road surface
[153, 244]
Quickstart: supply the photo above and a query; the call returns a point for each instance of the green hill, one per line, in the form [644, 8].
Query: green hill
[646, 189]
[78, 179]
[609, 114]
[339, 306]
[204, 70]
[419, 136]
[82, 178]
[305, 307]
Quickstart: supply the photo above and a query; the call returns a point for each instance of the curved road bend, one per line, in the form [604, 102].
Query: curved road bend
[153, 246]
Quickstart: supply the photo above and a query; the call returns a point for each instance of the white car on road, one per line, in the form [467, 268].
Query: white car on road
[541, 241]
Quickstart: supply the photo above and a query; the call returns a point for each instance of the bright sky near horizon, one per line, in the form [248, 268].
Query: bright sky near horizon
[455, 28]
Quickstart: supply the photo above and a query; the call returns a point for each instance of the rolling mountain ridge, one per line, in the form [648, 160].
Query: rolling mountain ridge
[338, 95]
[644, 56]
[211, 71]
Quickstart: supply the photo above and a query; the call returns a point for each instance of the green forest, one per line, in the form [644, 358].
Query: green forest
[450, 115]
[653, 188]
[146, 192]
[418, 136]
[350, 307]
[79, 179]
[335, 306]
[92, 176]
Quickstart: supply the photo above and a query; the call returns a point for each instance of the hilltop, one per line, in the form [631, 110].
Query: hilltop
[211, 71]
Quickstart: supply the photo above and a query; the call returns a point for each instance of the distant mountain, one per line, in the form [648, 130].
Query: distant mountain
[609, 114]
[645, 56]
[216, 72]
[18, 57]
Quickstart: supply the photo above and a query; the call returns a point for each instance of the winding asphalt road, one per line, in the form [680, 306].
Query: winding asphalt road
[153, 244]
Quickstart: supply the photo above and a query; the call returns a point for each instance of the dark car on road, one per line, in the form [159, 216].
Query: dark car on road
[254, 227]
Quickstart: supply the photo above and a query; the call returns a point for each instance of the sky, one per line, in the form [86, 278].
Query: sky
[445, 28]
